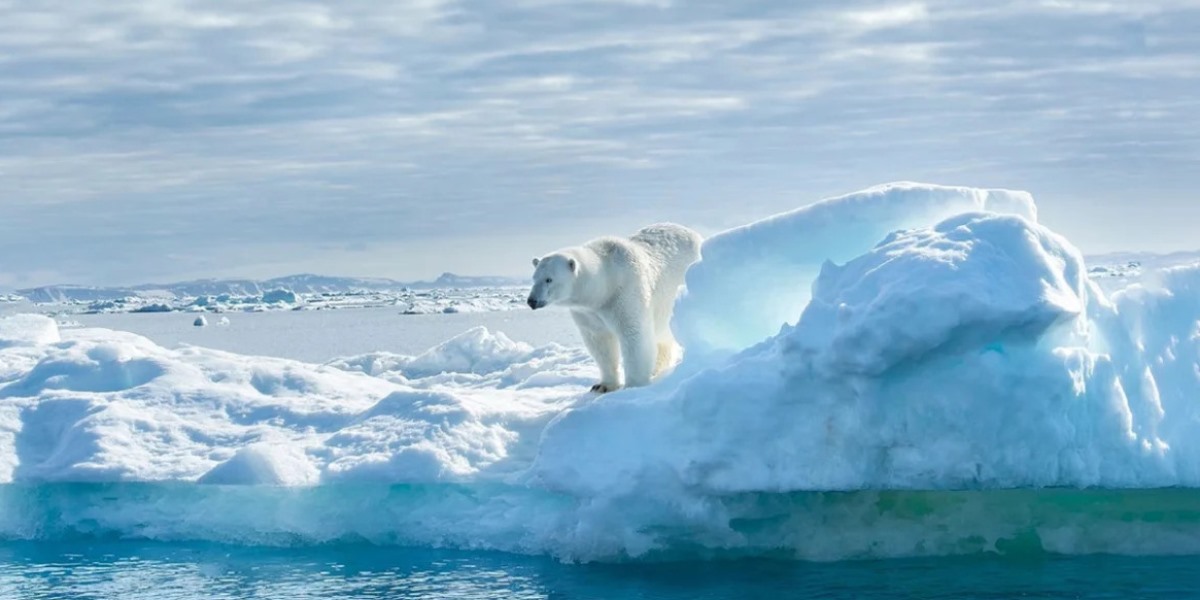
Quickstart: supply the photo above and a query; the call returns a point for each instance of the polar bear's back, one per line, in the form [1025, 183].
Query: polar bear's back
[674, 246]
[652, 261]
[671, 249]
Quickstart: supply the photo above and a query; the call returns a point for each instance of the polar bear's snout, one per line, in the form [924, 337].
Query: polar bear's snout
[537, 297]
[553, 279]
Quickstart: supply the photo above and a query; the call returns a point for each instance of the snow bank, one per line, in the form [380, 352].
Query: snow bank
[27, 330]
[110, 406]
[754, 278]
[266, 464]
[956, 385]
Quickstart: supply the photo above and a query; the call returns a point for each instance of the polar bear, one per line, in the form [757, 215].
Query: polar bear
[620, 292]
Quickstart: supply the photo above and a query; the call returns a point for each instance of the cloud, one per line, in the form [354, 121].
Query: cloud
[886, 17]
[133, 134]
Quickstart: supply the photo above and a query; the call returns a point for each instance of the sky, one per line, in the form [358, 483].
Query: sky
[156, 140]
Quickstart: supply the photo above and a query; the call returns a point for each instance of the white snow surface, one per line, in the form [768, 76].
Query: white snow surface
[103, 405]
[867, 349]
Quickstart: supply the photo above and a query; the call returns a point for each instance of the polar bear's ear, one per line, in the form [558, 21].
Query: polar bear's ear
[571, 263]
[536, 261]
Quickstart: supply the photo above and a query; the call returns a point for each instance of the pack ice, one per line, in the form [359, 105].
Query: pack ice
[909, 337]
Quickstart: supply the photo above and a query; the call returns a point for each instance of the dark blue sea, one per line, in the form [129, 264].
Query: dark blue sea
[158, 571]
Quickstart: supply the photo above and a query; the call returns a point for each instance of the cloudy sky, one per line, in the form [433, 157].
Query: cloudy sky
[152, 140]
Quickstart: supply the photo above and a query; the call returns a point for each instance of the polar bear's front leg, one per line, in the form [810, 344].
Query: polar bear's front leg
[639, 349]
[601, 343]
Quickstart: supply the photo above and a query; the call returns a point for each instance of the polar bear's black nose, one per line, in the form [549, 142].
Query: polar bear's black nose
[533, 304]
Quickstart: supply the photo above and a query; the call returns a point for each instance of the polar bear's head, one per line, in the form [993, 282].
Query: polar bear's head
[553, 277]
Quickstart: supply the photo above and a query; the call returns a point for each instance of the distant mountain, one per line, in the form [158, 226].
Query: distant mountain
[79, 293]
[450, 280]
[302, 283]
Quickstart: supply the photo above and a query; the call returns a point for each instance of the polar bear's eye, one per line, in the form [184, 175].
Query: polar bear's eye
[548, 280]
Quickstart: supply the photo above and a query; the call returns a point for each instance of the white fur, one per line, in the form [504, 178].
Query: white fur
[621, 292]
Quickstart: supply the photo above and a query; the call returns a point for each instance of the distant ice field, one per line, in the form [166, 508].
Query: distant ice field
[320, 336]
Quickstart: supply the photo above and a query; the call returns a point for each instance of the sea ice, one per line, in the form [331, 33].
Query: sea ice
[279, 296]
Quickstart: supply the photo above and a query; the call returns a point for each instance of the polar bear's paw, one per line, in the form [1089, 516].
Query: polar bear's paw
[604, 388]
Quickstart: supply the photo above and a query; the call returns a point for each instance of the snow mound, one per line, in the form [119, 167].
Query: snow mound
[27, 330]
[473, 357]
[970, 279]
[761, 272]
[474, 351]
[264, 464]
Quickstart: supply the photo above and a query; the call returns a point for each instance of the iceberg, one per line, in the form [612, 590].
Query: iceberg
[973, 354]
[932, 371]
[754, 278]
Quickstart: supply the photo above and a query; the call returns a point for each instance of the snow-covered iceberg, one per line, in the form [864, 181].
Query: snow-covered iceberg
[760, 273]
[932, 372]
[972, 354]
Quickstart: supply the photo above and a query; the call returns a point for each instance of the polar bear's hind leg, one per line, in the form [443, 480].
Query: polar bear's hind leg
[666, 357]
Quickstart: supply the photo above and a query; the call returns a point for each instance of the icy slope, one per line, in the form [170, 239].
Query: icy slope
[974, 354]
[762, 271]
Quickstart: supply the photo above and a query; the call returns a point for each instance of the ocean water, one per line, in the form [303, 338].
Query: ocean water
[158, 571]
